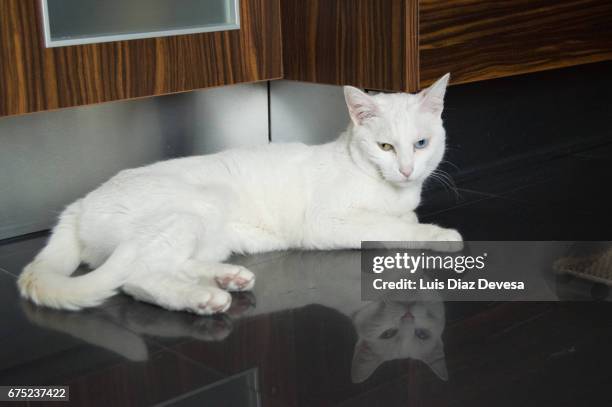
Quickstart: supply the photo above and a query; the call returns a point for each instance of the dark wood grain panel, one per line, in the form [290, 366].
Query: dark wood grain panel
[365, 43]
[33, 78]
[477, 40]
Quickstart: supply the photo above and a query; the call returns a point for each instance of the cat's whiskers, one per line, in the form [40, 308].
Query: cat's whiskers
[451, 164]
[446, 180]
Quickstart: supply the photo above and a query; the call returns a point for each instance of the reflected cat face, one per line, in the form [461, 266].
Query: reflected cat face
[398, 330]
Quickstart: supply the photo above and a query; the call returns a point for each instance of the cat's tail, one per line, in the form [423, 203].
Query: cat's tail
[46, 280]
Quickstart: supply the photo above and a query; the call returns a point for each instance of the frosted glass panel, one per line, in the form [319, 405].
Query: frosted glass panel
[69, 22]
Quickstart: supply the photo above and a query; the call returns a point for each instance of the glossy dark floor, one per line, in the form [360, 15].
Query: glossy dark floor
[292, 342]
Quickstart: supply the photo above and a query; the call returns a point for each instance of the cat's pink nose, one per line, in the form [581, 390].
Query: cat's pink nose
[406, 171]
[408, 316]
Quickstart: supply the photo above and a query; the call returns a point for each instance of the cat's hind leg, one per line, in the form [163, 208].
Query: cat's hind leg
[167, 243]
[227, 276]
[176, 293]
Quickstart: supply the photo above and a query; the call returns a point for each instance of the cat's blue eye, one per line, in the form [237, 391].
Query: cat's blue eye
[422, 334]
[388, 334]
[422, 143]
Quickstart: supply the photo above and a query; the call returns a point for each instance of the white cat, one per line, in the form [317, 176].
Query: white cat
[161, 232]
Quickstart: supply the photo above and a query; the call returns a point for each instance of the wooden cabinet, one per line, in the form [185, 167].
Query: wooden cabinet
[477, 40]
[395, 45]
[401, 45]
[365, 43]
[35, 78]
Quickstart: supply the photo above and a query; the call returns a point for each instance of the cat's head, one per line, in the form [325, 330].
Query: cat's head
[398, 330]
[400, 135]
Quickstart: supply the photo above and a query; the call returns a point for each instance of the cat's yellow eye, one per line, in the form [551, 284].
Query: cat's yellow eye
[386, 146]
[388, 334]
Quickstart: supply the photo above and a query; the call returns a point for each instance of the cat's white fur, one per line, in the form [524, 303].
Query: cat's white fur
[161, 232]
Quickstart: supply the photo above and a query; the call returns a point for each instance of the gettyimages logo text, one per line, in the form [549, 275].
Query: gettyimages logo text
[403, 261]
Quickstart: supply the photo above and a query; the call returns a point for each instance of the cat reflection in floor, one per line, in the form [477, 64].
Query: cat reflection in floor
[380, 331]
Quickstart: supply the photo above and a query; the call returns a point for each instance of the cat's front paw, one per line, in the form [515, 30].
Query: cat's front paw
[445, 240]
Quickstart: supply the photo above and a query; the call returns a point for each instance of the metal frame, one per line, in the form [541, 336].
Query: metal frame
[50, 43]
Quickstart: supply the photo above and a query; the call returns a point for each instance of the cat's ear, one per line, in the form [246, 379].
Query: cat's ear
[437, 361]
[360, 105]
[432, 98]
[365, 362]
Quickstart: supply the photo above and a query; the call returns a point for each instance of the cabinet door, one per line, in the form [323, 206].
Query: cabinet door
[35, 78]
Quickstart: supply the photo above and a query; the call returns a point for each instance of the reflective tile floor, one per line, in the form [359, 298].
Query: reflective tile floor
[304, 338]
